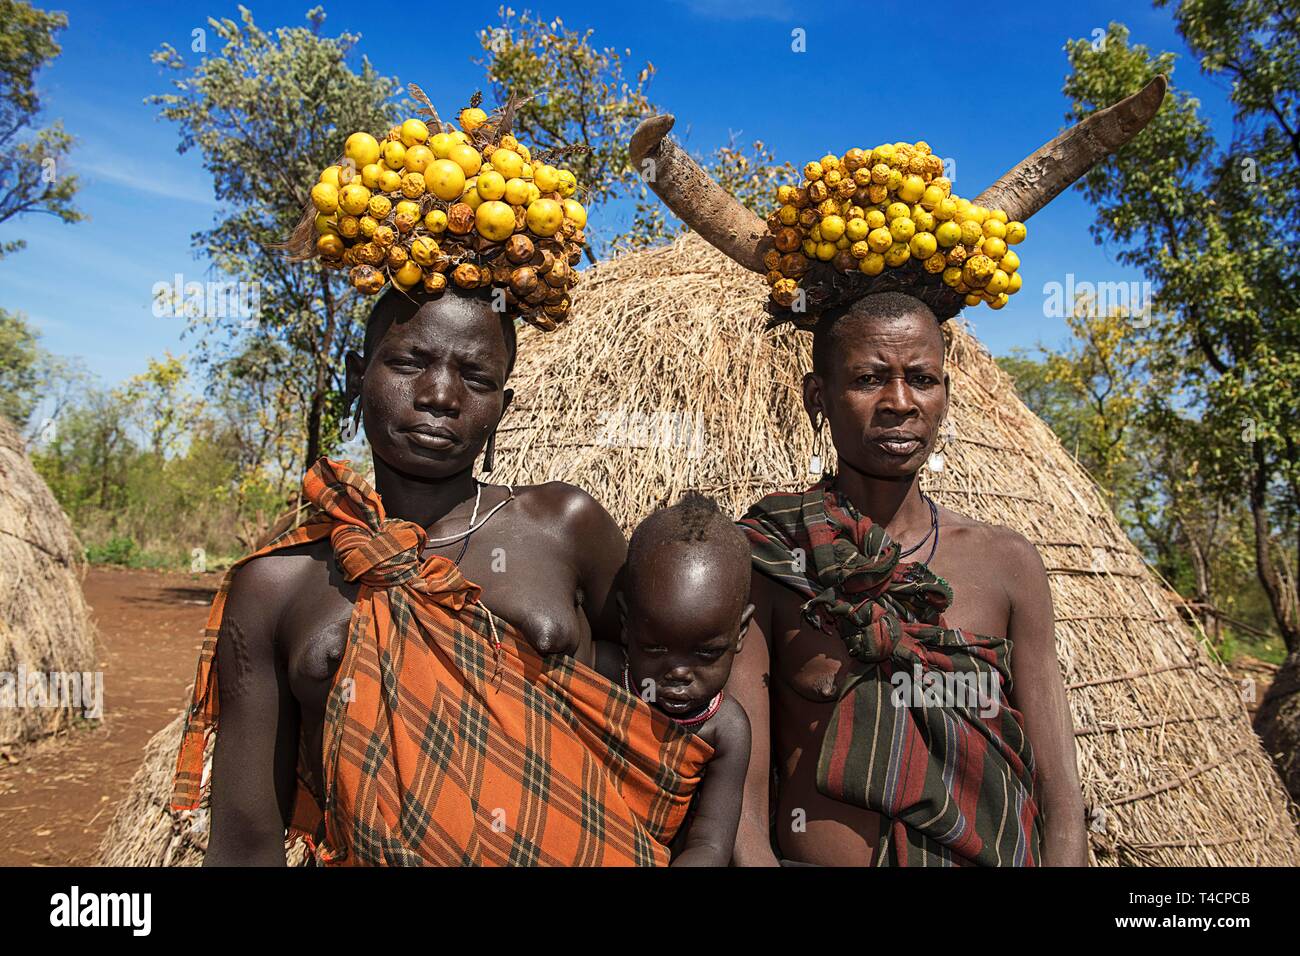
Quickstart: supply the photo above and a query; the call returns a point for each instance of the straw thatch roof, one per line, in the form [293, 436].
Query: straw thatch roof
[665, 381]
[44, 623]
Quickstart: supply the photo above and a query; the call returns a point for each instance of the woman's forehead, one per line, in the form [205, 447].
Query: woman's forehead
[908, 339]
[466, 326]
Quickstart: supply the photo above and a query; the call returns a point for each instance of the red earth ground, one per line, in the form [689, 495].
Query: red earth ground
[58, 795]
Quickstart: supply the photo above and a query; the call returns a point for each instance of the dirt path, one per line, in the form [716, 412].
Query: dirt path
[57, 796]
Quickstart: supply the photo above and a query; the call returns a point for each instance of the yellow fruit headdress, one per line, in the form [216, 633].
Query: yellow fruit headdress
[426, 204]
[885, 219]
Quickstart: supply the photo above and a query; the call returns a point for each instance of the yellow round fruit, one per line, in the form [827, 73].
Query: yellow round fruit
[826, 251]
[1009, 262]
[998, 283]
[414, 132]
[471, 197]
[922, 245]
[948, 234]
[977, 271]
[354, 199]
[856, 229]
[932, 197]
[902, 229]
[533, 192]
[362, 149]
[574, 211]
[445, 179]
[923, 218]
[368, 226]
[490, 185]
[946, 209]
[971, 232]
[994, 229]
[435, 220]
[1015, 232]
[936, 263]
[809, 248]
[394, 154]
[370, 175]
[418, 158]
[517, 192]
[812, 171]
[883, 154]
[951, 276]
[325, 197]
[568, 183]
[406, 207]
[494, 220]
[413, 185]
[546, 178]
[875, 219]
[880, 239]
[832, 228]
[390, 180]
[423, 249]
[379, 206]
[911, 189]
[974, 299]
[508, 163]
[873, 263]
[998, 302]
[896, 210]
[330, 175]
[999, 215]
[466, 157]
[471, 118]
[897, 254]
[545, 216]
[440, 145]
[1013, 286]
[329, 245]
[994, 248]
[326, 224]
[409, 274]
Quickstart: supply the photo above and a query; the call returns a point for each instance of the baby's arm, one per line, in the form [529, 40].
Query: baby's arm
[717, 811]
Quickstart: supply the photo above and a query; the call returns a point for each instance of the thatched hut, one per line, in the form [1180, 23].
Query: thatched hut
[45, 626]
[664, 380]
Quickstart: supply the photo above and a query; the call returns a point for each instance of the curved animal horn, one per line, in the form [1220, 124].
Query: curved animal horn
[1038, 179]
[694, 197]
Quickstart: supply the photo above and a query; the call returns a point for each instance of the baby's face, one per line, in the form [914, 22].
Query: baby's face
[679, 653]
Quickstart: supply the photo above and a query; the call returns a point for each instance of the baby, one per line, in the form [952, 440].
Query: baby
[684, 602]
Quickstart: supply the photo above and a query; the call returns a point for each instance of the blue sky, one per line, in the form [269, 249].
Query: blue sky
[980, 81]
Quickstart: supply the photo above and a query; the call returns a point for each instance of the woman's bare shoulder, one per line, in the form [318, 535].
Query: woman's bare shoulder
[566, 508]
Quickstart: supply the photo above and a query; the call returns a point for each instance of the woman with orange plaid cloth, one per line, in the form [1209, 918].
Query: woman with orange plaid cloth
[402, 679]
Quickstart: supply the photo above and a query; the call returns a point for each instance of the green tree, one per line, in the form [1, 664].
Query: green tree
[1209, 224]
[31, 180]
[268, 113]
[19, 367]
[573, 95]
[1209, 239]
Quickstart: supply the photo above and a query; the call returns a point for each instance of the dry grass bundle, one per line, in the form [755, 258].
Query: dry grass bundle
[44, 623]
[665, 381]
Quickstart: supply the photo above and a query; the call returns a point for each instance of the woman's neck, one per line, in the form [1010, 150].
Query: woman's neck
[893, 503]
[425, 501]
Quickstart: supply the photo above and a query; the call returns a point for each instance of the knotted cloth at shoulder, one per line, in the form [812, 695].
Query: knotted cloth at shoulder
[448, 740]
[952, 776]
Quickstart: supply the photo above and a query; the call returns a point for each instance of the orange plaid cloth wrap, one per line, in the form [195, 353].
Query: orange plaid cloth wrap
[442, 747]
